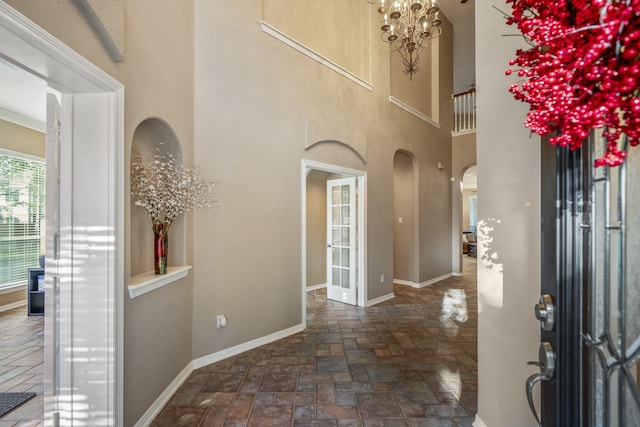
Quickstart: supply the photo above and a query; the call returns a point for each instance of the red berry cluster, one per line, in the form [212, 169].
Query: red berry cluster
[582, 71]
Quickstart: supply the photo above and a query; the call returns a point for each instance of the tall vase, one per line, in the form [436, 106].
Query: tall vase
[160, 248]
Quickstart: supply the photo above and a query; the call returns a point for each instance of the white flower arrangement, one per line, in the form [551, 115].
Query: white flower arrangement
[166, 189]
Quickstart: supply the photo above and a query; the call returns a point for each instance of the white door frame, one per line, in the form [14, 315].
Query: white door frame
[94, 102]
[361, 238]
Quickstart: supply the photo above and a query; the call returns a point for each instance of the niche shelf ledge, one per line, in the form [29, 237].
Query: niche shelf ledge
[144, 283]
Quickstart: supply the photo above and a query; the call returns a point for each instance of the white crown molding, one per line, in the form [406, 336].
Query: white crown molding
[25, 122]
[409, 109]
[274, 32]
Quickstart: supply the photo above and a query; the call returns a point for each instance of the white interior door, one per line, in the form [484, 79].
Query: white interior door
[57, 291]
[341, 240]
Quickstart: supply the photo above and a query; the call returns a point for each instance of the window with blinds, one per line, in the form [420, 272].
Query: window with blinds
[22, 217]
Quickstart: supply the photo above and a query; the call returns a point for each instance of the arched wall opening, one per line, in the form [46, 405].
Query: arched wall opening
[154, 137]
[405, 219]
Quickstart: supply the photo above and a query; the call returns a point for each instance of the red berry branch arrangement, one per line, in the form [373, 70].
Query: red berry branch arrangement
[582, 71]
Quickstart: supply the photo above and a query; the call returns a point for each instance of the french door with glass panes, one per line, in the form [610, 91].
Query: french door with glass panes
[341, 240]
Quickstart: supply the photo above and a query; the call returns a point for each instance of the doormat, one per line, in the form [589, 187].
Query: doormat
[9, 401]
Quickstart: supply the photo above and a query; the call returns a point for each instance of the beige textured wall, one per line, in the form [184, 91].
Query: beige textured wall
[251, 109]
[317, 227]
[509, 232]
[335, 29]
[435, 184]
[158, 76]
[20, 140]
[403, 207]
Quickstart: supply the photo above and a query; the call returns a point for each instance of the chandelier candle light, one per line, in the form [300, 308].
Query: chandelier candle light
[407, 26]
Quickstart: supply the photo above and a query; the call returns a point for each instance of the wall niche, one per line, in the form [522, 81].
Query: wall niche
[154, 136]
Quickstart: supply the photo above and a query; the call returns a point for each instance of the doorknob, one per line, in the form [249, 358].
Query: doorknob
[328, 245]
[545, 312]
[547, 364]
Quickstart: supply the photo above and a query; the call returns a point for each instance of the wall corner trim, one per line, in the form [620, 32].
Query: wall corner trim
[410, 109]
[249, 345]
[157, 406]
[291, 42]
[478, 422]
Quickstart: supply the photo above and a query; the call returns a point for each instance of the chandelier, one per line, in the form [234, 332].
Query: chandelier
[407, 26]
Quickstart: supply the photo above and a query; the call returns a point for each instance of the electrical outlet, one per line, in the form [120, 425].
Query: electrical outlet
[382, 278]
[221, 321]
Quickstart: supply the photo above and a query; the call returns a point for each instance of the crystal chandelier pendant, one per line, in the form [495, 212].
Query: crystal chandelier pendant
[407, 26]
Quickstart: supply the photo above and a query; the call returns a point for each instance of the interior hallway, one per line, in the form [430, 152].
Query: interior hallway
[410, 361]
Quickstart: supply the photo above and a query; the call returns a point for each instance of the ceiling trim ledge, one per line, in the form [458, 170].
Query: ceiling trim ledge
[410, 109]
[291, 42]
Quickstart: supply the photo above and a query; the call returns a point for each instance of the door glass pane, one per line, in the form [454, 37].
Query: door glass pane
[335, 236]
[335, 216]
[345, 194]
[344, 257]
[344, 241]
[335, 256]
[345, 215]
[345, 278]
[335, 196]
[335, 274]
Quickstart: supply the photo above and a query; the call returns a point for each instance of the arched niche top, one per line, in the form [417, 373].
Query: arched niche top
[322, 133]
[333, 141]
[155, 136]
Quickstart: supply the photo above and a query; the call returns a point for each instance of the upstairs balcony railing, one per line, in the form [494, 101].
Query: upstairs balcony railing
[464, 112]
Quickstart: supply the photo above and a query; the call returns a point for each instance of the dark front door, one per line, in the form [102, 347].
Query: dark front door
[590, 304]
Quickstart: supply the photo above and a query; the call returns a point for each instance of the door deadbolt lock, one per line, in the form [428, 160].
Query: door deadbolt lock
[545, 312]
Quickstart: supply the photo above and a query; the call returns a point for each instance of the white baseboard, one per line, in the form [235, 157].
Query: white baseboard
[157, 406]
[316, 287]
[478, 422]
[13, 305]
[454, 274]
[241, 348]
[380, 299]
[426, 283]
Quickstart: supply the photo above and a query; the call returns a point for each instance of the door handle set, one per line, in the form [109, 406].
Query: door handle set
[547, 365]
[545, 312]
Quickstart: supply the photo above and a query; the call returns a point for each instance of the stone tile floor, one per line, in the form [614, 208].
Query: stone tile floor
[410, 361]
[22, 365]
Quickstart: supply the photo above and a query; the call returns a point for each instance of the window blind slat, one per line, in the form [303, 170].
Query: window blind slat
[22, 219]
